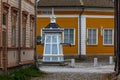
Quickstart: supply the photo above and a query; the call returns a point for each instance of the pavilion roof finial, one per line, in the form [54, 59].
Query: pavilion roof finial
[53, 20]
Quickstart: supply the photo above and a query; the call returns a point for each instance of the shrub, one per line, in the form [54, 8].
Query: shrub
[23, 74]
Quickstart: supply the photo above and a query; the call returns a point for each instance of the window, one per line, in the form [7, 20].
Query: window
[24, 20]
[4, 19]
[31, 32]
[108, 37]
[92, 35]
[14, 20]
[69, 36]
[5, 13]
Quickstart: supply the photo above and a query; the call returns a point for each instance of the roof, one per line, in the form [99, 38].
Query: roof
[52, 28]
[52, 25]
[76, 3]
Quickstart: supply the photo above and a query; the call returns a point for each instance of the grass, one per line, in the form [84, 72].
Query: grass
[23, 74]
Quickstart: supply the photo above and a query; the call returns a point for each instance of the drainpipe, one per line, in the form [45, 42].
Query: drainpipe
[117, 36]
[35, 55]
[19, 31]
[80, 32]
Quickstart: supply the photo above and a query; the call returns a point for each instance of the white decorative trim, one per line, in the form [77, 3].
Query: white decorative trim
[58, 16]
[98, 16]
[112, 37]
[96, 36]
[100, 54]
[79, 35]
[83, 35]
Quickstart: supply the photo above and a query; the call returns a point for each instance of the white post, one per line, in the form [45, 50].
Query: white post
[95, 61]
[110, 60]
[72, 62]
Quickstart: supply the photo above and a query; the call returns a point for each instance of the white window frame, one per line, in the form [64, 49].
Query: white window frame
[112, 36]
[96, 36]
[73, 35]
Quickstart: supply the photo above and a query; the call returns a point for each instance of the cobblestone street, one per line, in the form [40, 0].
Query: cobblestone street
[81, 71]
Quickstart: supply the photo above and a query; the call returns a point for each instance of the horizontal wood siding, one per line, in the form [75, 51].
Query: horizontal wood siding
[100, 48]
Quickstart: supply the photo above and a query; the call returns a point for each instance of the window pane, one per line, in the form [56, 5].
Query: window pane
[4, 19]
[65, 31]
[71, 38]
[48, 39]
[61, 58]
[46, 58]
[54, 39]
[71, 31]
[54, 49]
[24, 36]
[47, 49]
[54, 58]
[60, 49]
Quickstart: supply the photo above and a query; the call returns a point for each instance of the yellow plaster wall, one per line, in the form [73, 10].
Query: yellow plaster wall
[100, 48]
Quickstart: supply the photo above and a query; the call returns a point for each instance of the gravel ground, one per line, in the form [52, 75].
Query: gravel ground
[81, 71]
[80, 67]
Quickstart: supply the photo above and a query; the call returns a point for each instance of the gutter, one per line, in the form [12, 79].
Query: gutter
[79, 37]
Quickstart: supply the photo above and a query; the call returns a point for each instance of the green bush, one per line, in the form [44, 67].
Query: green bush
[23, 74]
[4, 77]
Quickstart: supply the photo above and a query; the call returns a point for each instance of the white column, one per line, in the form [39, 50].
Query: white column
[95, 61]
[83, 35]
[72, 62]
[110, 60]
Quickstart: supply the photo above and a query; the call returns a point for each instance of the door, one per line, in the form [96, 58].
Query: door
[53, 48]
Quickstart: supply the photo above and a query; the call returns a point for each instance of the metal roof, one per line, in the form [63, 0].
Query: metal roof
[76, 3]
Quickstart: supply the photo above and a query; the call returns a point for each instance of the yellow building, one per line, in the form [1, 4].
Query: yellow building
[88, 25]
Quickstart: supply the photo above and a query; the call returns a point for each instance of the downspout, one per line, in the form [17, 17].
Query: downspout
[35, 56]
[19, 31]
[80, 32]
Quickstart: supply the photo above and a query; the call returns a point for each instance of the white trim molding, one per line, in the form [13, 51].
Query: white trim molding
[83, 35]
[98, 16]
[58, 16]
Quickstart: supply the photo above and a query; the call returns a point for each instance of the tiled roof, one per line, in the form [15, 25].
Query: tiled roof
[75, 3]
